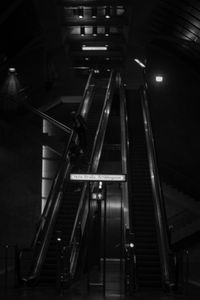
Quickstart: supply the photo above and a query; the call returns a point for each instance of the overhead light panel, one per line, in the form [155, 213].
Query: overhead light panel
[80, 13]
[82, 30]
[94, 48]
[139, 63]
[107, 12]
[94, 13]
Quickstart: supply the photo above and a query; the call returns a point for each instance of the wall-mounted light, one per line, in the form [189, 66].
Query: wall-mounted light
[82, 30]
[107, 31]
[139, 63]
[80, 13]
[94, 31]
[159, 78]
[94, 13]
[107, 12]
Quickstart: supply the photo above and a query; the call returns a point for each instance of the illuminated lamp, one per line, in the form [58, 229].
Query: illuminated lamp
[159, 78]
[107, 12]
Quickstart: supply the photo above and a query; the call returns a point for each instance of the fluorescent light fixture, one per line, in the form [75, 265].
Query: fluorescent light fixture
[159, 78]
[139, 63]
[94, 48]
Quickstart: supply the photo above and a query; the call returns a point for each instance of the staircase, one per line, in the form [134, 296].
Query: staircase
[142, 207]
[69, 205]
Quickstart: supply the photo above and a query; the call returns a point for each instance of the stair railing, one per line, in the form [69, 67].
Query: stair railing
[42, 236]
[129, 244]
[157, 194]
[82, 212]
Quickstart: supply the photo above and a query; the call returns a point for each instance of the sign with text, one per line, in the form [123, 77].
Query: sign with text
[97, 177]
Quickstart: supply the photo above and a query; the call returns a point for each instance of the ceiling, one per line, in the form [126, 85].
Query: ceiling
[124, 26]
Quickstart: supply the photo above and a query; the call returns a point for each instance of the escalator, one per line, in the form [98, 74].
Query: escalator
[148, 268]
[71, 197]
[64, 214]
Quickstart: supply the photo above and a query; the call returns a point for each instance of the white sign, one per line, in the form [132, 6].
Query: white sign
[98, 177]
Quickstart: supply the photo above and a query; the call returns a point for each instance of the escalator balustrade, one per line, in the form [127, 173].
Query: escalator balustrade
[146, 244]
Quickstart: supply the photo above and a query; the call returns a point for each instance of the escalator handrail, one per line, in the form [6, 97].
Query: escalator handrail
[83, 108]
[124, 147]
[157, 192]
[51, 208]
[92, 167]
[128, 232]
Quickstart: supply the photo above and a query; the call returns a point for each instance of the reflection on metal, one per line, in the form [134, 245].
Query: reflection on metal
[98, 177]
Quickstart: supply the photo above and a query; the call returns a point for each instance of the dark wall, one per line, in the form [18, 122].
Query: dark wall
[19, 28]
[175, 111]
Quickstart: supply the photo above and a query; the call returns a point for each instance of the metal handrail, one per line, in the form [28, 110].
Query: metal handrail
[81, 216]
[51, 208]
[129, 246]
[124, 148]
[157, 193]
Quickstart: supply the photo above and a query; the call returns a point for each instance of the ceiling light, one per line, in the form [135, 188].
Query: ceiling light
[94, 48]
[12, 70]
[86, 58]
[94, 30]
[107, 12]
[107, 31]
[96, 71]
[107, 58]
[94, 12]
[139, 63]
[159, 78]
[82, 30]
[80, 13]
